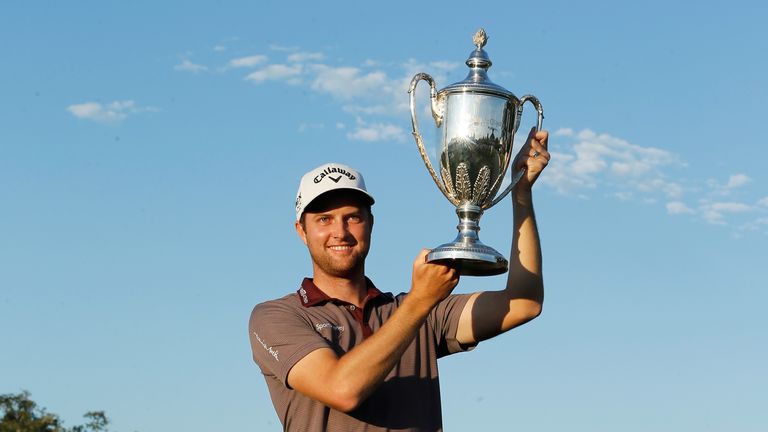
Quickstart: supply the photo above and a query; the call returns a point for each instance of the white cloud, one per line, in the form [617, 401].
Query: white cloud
[277, 72]
[187, 66]
[728, 187]
[380, 109]
[715, 212]
[758, 224]
[677, 207]
[301, 57]
[585, 159]
[377, 132]
[247, 62]
[366, 91]
[283, 48]
[347, 82]
[763, 202]
[225, 43]
[623, 168]
[306, 126]
[729, 207]
[437, 69]
[737, 180]
[672, 189]
[659, 184]
[113, 112]
[586, 134]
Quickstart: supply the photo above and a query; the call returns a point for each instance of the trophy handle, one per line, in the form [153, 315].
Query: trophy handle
[519, 174]
[438, 116]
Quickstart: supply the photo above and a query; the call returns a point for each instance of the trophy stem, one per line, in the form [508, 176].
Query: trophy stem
[467, 252]
[469, 223]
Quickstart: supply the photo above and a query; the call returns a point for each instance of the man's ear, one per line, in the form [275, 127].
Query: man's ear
[300, 231]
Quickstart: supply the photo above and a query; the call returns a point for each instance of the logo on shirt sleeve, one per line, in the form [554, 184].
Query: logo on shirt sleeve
[273, 352]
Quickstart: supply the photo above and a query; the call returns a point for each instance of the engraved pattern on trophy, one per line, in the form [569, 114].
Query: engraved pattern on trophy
[481, 189]
[476, 121]
[447, 179]
[463, 186]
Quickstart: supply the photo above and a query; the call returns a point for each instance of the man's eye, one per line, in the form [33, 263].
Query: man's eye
[355, 218]
[324, 219]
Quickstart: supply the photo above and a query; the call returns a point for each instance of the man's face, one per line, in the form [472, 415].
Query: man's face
[337, 232]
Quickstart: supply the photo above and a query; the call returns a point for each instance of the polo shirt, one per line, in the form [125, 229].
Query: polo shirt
[284, 330]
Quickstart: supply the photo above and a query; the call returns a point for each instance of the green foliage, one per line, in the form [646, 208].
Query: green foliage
[98, 422]
[21, 414]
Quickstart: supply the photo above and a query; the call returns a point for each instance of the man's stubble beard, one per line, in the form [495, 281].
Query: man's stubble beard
[346, 268]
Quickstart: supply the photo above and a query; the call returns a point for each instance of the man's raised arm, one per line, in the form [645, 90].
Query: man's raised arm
[491, 313]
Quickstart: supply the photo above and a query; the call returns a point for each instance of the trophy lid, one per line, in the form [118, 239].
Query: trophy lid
[477, 80]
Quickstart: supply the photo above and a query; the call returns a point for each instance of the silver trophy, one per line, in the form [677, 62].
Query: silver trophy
[476, 121]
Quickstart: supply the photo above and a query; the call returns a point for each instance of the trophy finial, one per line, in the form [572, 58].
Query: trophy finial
[478, 58]
[480, 38]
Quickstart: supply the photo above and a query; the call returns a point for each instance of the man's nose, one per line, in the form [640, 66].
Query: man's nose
[340, 228]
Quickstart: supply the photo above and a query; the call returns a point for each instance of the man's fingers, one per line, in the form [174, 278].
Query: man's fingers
[422, 256]
[538, 145]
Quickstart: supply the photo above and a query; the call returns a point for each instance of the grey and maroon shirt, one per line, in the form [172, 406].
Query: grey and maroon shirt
[283, 331]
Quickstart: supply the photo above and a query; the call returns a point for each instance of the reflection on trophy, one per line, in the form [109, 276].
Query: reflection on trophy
[476, 121]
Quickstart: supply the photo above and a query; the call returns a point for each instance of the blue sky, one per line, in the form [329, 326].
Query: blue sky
[150, 154]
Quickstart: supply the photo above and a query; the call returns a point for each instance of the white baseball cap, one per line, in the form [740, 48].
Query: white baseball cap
[325, 178]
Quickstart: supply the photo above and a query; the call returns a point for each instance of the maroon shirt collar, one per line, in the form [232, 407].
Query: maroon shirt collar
[310, 295]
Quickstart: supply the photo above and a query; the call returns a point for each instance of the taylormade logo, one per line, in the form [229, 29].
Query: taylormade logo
[333, 170]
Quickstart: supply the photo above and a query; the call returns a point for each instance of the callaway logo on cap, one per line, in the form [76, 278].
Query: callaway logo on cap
[325, 178]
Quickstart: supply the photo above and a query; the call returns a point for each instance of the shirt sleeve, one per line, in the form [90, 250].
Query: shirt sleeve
[444, 319]
[280, 337]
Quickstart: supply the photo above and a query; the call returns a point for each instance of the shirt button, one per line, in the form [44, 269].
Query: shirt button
[352, 307]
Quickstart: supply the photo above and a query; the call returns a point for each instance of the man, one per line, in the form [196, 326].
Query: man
[340, 355]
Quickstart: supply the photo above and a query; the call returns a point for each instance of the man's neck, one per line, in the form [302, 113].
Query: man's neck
[351, 290]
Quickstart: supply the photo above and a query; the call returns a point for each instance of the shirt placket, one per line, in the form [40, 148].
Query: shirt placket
[359, 315]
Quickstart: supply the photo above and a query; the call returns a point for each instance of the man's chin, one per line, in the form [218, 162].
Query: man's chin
[344, 270]
[347, 272]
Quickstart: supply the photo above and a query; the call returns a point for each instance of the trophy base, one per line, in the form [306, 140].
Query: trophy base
[471, 260]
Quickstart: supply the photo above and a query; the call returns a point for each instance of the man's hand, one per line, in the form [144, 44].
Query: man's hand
[534, 157]
[431, 282]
